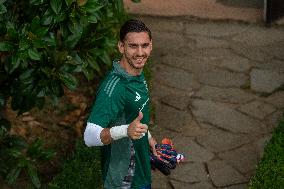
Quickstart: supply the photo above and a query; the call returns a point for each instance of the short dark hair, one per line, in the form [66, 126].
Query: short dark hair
[133, 26]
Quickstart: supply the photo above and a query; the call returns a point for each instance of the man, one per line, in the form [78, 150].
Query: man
[120, 116]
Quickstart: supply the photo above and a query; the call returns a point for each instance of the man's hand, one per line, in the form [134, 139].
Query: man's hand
[152, 143]
[136, 129]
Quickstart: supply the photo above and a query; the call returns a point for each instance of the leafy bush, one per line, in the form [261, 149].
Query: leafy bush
[43, 45]
[82, 171]
[16, 155]
[270, 171]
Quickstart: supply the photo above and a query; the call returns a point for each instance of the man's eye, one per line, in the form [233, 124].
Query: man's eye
[132, 46]
[145, 45]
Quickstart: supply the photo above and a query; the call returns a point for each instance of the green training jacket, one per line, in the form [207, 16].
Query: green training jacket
[119, 99]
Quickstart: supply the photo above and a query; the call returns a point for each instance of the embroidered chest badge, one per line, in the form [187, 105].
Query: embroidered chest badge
[138, 97]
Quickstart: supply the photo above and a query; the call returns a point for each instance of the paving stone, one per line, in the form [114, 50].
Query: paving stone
[206, 42]
[272, 65]
[172, 119]
[176, 78]
[177, 101]
[206, 126]
[217, 140]
[192, 151]
[167, 41]
[276, 49]
[265, 80]
[231, 95]
[260, 145]
[260, 36]
[222, 78]
[255, 53]
[189, 172]
[244, 159]
[223, 174]
[193, 129]
[159, 181]
[163, 25]
[214, 29]
[257, 109]
[222, 116]
[159, 91]
[238, 186]
[182, 185]
[206, 59]
[160, 133]
[189, 63]
[235, 63]
[212, 53]
[277, 99]
[272, 120]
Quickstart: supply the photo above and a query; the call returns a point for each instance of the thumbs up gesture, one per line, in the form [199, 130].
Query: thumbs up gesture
[136, 129]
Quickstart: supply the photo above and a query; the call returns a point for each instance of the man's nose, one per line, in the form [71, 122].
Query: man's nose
[139, 51]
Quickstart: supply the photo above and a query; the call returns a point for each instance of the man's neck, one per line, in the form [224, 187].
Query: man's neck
[128, 68]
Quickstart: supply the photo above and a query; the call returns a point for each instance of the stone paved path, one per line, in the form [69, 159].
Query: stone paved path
[216, 89]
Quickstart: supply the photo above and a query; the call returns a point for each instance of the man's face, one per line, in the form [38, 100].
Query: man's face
[136, 49]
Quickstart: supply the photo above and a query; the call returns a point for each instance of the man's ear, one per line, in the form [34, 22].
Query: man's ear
[120, 47]
[151, 44]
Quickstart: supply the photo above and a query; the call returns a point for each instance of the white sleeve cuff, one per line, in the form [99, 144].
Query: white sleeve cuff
[92, 135]
[149, 135]
[118, 132]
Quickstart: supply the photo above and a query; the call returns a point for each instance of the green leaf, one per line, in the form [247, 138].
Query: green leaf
[11, 31]
[2, 9]
[56, 5]
[32, 172]
[92, 7]
[37, 29]
[13, 175]
[105, 58]
[14, 152]
[69, 2]
[35, 148]
[56, 88]
[47, 17]
[3, 28]
[93, 63]
[75, 27]
[24, 44]
[136, 1]
[5, 126]
[15, 61]
[50, 40]
[89, 73]
[34, 54]
[18, 143]
[92, 19]
[6, 46]
[26, 75]
[72, 40]
[36, 2]
[69, 80]
[2, 100]
[119, 6]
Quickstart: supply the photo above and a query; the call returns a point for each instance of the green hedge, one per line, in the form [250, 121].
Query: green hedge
[81, 171]
[270, 171]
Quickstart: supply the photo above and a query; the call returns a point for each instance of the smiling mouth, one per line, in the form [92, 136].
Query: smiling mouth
[139, 59]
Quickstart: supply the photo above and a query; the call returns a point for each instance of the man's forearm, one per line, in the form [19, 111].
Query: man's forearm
[105, 136]
[96, 135]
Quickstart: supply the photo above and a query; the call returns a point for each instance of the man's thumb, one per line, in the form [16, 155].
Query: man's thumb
[140, 116]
